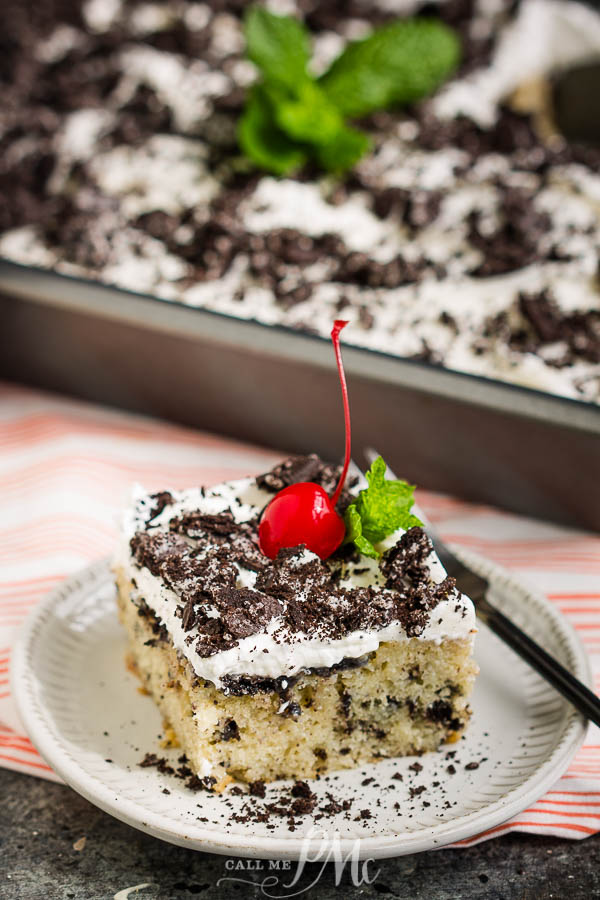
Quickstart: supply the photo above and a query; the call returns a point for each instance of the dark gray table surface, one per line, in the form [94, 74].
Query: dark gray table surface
[40, 822]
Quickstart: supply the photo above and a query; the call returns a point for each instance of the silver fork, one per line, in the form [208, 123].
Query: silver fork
[476, 587]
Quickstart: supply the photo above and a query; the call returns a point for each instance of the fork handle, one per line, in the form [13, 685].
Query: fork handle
[549, 668]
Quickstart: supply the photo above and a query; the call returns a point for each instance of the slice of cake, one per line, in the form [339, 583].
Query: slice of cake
[287, 667]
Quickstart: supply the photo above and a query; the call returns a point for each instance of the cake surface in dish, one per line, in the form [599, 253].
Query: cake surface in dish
[463, 239]
[293, 666]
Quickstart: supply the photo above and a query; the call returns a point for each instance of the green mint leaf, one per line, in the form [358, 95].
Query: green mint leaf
[354, 533]
[290, 117]
[278, 45]
[309, 116]
[344, 150]
[262, 140]
[379, 510]
[398, 63]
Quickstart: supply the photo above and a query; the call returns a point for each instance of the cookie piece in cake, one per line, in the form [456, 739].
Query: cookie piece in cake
[292, 666]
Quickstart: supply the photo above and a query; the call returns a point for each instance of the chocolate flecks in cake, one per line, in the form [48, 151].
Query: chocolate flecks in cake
[291, 710]
[157, 627]
[346, 703]
[250, 685]
[414, 673]
[241, 685]
[230, 731]
[441, 712]
[407, 558]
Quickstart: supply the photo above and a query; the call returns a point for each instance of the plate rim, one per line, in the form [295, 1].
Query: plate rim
[210, 840]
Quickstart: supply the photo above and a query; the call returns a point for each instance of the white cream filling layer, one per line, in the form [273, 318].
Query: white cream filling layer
[265, 654]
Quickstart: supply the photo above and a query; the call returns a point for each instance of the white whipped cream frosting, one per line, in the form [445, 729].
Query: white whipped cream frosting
[263, 654]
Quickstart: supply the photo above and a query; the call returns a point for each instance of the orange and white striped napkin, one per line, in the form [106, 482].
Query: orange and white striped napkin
[66, 469]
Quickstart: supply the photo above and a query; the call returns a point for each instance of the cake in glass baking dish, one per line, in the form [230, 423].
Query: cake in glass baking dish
[397, 161]
[287, 667]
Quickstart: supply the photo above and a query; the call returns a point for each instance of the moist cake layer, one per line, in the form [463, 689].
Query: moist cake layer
[402, 699]
[463, 239]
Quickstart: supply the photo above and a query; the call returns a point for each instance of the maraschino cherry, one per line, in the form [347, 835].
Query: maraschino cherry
[304, 513]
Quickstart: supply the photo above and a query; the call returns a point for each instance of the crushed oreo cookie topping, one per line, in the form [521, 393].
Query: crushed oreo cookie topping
[249, 623]
[119, 163]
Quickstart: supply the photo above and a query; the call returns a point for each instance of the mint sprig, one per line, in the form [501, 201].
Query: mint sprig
[397, 63]
[292, 117]
[263, 141]
[379, 510]
[279, 46]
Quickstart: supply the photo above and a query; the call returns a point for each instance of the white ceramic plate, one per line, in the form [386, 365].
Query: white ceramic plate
[84, 713]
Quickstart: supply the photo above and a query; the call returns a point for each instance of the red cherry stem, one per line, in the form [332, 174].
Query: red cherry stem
[335, 337]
